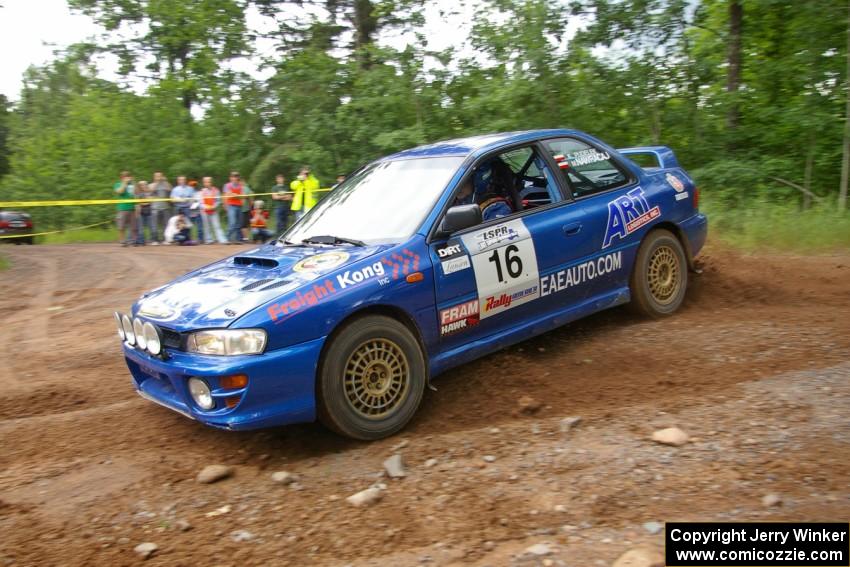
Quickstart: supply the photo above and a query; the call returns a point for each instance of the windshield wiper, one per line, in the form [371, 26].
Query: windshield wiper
[327, 239]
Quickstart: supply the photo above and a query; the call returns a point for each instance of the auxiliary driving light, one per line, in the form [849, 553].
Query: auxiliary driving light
[154, 344]
[139, 331]
[129, 335]
[120, 325]
[201, 394]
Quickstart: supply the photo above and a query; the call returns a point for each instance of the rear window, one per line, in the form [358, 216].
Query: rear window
[14, 216]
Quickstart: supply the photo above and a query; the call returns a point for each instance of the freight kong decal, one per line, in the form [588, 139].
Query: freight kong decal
[627, 214]
[383, 271]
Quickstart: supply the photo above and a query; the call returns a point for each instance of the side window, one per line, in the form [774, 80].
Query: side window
[587, 170]
[508, 183]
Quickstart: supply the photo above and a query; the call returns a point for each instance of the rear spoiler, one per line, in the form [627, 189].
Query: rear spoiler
[661, 157]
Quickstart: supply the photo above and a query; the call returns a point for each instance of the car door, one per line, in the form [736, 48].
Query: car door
[608, 206]
[487, 278]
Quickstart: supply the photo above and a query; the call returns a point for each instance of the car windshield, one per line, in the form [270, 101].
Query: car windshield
[383, 202]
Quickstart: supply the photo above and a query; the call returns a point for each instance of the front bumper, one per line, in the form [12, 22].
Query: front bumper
[280, 390]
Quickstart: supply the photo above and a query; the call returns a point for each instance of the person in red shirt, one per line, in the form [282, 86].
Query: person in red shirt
[259, 218]
[210, 199]
[232, 191]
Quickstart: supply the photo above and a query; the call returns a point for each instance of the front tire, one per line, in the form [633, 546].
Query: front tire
[660, 276]
[372, 379]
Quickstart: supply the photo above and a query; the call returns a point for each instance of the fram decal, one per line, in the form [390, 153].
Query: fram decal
[324, 261]
[628, 213]
[580, 273]
[458, 317]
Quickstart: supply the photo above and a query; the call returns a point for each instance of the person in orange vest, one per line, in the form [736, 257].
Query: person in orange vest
[232, 190]
[210, 199]
[259, 220]
[305, 189]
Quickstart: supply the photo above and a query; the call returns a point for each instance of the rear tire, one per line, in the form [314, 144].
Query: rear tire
[660, 276]
[371, 379]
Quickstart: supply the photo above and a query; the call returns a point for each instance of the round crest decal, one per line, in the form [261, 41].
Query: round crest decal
[324, 261]
[675, 183]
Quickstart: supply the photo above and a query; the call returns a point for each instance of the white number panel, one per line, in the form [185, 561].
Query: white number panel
[505, 266]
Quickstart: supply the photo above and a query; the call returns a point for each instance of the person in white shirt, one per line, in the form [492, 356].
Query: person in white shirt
[178, 230]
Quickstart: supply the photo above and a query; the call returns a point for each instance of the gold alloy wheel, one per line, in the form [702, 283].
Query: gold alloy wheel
[664, 275]
[377, 378]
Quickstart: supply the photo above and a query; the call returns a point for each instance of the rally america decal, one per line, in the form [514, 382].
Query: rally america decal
[505, 265]
[321, 262]
[459, 317]
[453, 257]
[628, 213]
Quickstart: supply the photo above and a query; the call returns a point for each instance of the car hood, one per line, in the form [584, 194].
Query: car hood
[220, 293]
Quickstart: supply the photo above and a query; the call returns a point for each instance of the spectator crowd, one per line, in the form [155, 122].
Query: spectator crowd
[187, 214]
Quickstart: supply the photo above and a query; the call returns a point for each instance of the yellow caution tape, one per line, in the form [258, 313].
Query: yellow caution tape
[55, 231]
[81, 202]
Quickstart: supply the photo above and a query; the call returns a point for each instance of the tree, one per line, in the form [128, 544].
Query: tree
[183, 44]
[4, 135]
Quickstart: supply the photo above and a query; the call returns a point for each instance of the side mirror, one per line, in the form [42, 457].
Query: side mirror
[460, 217]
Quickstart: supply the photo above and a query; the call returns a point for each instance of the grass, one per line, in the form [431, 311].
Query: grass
[4, 263]
[96, 234]
[778, 227]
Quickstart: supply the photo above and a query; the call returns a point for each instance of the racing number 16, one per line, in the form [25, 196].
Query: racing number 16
[513, 262]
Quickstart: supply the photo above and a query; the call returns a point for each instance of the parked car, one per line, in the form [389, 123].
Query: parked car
[403, 272]
[13, 223]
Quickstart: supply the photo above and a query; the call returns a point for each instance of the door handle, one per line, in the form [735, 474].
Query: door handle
[572, 228]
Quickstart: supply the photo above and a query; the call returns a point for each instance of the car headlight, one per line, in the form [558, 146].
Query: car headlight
[227, 342]
[201, 394]
[129, 335]
[120, 326]
[139, 331]
[154, 343]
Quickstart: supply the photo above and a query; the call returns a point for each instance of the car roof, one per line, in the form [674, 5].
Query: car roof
[476, 144]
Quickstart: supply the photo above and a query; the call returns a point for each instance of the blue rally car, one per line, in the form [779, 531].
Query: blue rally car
[416, 263]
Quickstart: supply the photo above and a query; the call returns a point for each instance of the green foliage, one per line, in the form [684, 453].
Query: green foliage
[632, 72]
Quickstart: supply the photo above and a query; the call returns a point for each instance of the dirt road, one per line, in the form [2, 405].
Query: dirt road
[756, 368]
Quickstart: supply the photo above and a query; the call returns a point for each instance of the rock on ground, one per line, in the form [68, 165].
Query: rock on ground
[569, 423]
[394, 467]
[539, 549]
[241, 535]
[366, 497]
[653, 527]
[671, 436]
[640, 557]
[771, 500]
[214, 473]
[146, 550]
[284, 477]
[529, 405]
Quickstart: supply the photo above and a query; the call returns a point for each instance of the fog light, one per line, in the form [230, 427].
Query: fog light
[154, 344]
[232, 401]
[139, 331]
[120, 326]
[201, 394]
[129, 335]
